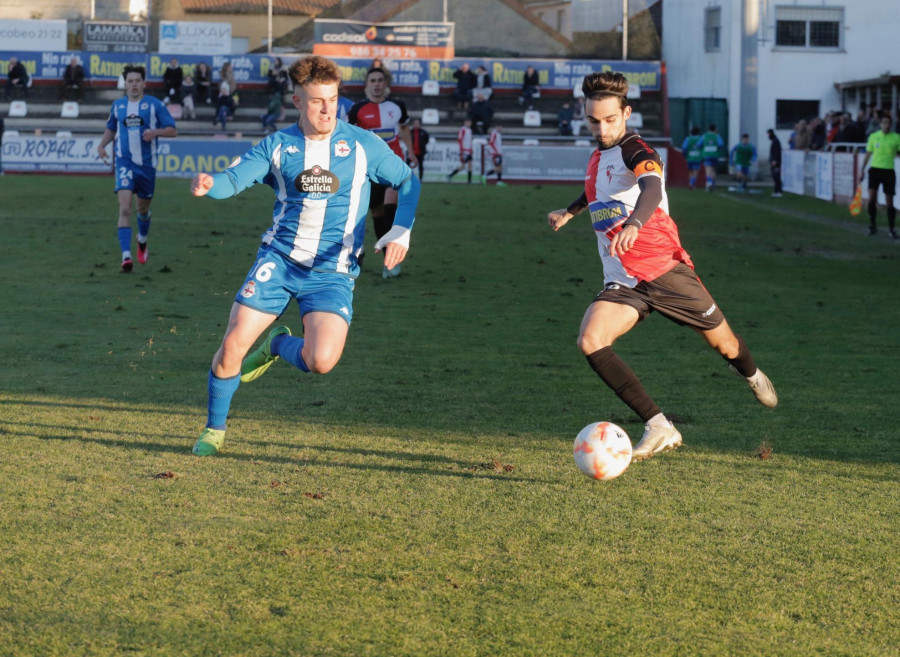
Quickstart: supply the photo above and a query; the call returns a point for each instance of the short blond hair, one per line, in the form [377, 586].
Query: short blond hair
[314, 69]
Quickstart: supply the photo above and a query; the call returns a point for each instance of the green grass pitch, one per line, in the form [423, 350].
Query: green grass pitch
[422, 498]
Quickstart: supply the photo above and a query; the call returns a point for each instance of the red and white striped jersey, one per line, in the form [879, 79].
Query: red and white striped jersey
[611, 188]
[495, 143]
[384, 119]
[464, 137]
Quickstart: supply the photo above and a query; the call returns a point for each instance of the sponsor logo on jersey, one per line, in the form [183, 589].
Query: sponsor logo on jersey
[291, 150]
[711, 310]
[607, 215]
[317, 181]
[133, 121]
[249, 290]
[342, 148]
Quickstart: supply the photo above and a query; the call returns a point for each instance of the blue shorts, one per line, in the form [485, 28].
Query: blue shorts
[711, 161]
[140, 180]
[743, 168]
[693, 166]
[275, 279]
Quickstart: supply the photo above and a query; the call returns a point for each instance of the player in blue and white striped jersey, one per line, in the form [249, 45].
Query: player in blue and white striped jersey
[321, 170]
[135, 122]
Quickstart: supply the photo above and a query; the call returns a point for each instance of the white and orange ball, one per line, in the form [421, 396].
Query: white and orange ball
[602, 450]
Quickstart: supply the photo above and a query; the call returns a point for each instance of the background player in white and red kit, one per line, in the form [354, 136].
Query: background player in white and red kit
[645, 267]
[495, 152]
[464, 139]
[388, 119]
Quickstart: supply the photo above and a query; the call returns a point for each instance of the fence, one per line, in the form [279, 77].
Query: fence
[830, 175]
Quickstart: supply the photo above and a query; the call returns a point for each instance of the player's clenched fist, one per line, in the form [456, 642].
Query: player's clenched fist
[201, 184]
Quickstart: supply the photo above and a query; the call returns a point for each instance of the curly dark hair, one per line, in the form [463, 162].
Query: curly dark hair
[314, 68]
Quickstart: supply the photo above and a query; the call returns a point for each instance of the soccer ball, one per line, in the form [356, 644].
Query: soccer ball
[602, 450]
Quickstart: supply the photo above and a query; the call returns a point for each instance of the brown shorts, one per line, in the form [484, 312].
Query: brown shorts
[678, 294]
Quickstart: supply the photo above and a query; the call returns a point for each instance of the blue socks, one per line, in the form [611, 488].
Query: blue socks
[143, 227]
[220, 393]
[125, 240]
[289, 348]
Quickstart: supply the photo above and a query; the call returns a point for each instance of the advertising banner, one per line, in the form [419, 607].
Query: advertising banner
[792, 171]
[343, 38]
[178, 158]
[28, 35]
[116, 36]
[824, 176]
[844, 185]
[190, 38]
[554, 75]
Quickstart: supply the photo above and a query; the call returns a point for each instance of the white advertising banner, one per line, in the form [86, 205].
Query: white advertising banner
[190, 38]
[844, 185]
[825, 176]
[792, 171]
[33, 35]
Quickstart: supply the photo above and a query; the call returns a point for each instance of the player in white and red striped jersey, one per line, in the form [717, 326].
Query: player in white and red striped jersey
[388, 119]
[645, 267]
[495, 152]
[464, 139]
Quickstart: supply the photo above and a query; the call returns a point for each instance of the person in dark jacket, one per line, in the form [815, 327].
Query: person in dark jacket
[775, 162]
[17, 78]
[73, 78]
[173, 77]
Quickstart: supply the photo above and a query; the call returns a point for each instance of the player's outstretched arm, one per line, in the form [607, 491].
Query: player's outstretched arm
[559, 218]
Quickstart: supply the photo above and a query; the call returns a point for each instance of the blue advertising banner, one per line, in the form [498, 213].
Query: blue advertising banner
[554, 74]
[177, 158]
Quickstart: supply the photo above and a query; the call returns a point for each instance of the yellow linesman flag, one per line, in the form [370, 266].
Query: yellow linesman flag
[856, 203]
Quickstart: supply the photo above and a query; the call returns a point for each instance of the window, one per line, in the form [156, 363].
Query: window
[712, 29]
[818, 28]
[788, 112]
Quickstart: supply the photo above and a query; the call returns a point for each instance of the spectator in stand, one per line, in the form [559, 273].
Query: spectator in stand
[273, 111]
[495, 149]
[225, 104]
[464, 139]
[564, 119]
[531, 87]
[577, 115]
[419, 137]
[73, 79]
[17, 78]
[817, 134]
[465, 82]
[203, 82]
[187, 96]
[849, 133]
[775, 162]
[173, 78]
[874, 120]
[801, 136]
[278, 81]
[482, 79]
[833, 121]
[482, 110]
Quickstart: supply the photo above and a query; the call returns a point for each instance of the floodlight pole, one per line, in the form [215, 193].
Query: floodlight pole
[624, 30]
[445, 11]
[270, 28]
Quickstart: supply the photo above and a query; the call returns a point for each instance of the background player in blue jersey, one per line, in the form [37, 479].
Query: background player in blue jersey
[321, 170]
[135, 121]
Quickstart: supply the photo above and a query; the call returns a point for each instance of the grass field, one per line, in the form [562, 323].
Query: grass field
[422, 499]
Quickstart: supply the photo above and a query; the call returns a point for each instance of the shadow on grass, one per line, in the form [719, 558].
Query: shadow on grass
[453, 468]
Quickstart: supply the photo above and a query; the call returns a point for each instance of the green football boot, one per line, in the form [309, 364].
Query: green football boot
[209, 443]
[256, 364]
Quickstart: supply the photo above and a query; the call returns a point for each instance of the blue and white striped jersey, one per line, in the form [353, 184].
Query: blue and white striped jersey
[321, 192]
[129, 120]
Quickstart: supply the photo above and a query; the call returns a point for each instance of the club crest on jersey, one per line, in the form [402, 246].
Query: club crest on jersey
[342, 149]
[249, 290]
[291, 150]
[317, 182]
[609, 172]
